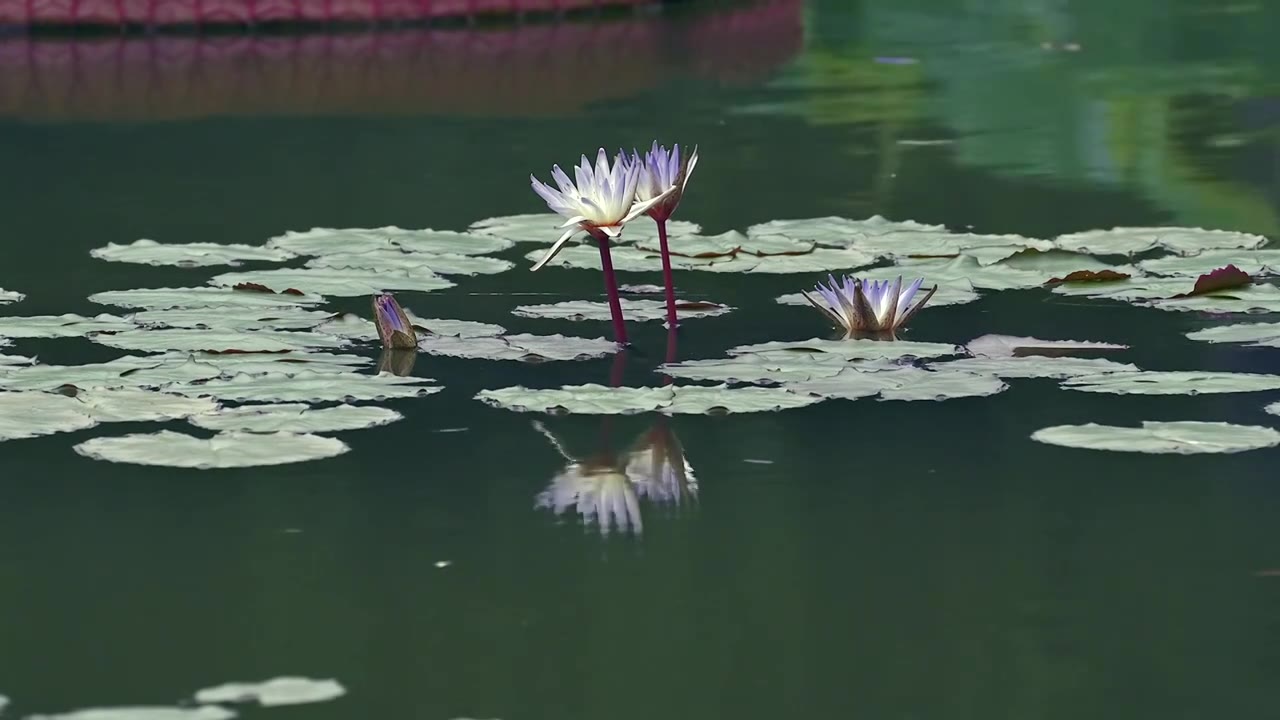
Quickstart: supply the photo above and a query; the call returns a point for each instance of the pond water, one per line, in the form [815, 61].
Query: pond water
[872, 558]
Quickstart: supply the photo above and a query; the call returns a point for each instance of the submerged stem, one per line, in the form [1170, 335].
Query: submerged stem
[611, 287]
[667, 281]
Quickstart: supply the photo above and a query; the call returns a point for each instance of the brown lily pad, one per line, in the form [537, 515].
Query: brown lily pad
[1225, 278]
[1091, 276]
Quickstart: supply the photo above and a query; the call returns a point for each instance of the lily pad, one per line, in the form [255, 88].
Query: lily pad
[344, 282]
[1252, 262]
[625, 258]
[237, 341]
[308, 386]
[533, 348]
[274, 692]
[965, 272]
[396, 260]
[201, 297]
[295, 417]
[1182, 438]
[1034, 366]
[1256, 334]
[819, 260]
[144, 712]
[837, 231]
[232, 318]
[771, 368]
[32, 414]
[602, 400]
[546, 227]
[730, 243]
[1053, 264]
[328, 241]
[223, 450]
[150, 252]
[354, 327]
[9, 296]
[91, 375]
[904, 383]
[137, 405]
[860, 349]
[1007, 346]
[634, 310]
[1160, 293]
[1151, 382]
[1134, 240]
[51, 326]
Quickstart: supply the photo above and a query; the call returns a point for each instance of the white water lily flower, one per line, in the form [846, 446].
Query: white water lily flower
[663, 174]
[858, 306]
[602, 200]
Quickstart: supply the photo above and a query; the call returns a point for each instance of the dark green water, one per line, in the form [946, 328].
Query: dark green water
[894, 560]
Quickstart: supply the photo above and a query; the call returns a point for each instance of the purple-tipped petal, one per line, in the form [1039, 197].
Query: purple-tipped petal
[904, 297]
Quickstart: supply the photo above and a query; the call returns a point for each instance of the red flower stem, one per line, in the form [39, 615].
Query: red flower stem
[667, 281]
[611, 287]
[618, 369]
[672, 336]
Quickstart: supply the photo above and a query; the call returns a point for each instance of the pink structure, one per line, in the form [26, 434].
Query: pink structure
[533, 69]
[247, 12]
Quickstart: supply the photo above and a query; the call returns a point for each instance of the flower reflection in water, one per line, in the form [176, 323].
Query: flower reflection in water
[598, 488]
[657, 467]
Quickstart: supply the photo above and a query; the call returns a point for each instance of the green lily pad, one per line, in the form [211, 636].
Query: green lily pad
[274, 692]
[532, 348]
[1134, 240]
[904, 383]
[838, 232]
[633, 310]
[546, 227]
[778, 367]
[232, 318]
[308, 386]
[1159, 293]
[965, 271]
[201, 297]
[602, 400]
[223, 450]
[150, 252]
[1151, 382]
[396, 260]
[32, 414]
[729, 243]
[1256, 334]
[354, 327]
[114, 373]
[1182, 438]
[860, 349]
[52, 326]
[1253, 262]
[625, 258]
[295, 417]
[329, 241]
[143, 712]
[1008, 346]
[239, 341]
[137, 405]
[819, 260]
[338, 282]
[1034, 366]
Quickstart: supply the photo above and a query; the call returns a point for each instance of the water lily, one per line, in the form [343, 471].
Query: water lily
[869, 306]
[393, 324]
[663, 177]
[657, 467]
[601, 202]
[598, 489]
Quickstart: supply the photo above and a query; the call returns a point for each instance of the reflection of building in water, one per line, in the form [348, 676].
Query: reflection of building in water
[1127, 95]
[606, 488]
[532, 69]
